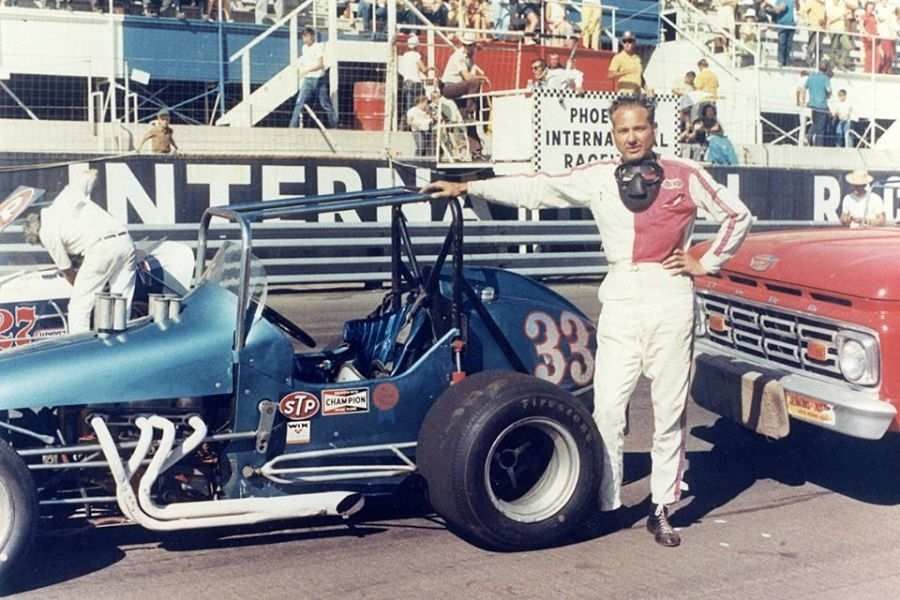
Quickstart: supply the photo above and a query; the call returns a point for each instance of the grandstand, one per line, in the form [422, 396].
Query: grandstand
[90, 79]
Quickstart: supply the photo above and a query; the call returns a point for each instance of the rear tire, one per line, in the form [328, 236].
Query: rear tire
[18, 514]
[512, 462]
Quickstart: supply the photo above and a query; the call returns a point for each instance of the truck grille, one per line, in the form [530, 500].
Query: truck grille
[776, 335]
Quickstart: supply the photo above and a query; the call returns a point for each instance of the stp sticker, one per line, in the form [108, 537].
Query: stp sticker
[298, 406]
[298, 432]
[345, 402]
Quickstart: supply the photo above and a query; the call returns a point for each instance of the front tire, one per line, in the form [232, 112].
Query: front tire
[512, 462]
[18, 513]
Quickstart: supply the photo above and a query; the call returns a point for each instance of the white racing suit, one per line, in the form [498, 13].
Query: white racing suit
[646, 321]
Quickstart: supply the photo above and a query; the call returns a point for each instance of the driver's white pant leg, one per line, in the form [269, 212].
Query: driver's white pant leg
[106, 261]
[618, 367]
[122, 276]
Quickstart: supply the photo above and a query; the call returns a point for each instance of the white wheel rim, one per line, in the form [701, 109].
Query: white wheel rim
[6, 519]
[556, 485]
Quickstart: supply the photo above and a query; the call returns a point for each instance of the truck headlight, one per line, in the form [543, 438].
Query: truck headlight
[858, 357]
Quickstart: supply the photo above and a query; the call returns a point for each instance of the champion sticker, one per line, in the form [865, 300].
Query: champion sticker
[298, 432]
[345, 402]
[298, 406]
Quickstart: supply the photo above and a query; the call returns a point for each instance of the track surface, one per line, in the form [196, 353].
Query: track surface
[806, 517]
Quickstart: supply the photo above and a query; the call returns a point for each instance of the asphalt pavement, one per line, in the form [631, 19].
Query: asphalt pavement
[811, 516]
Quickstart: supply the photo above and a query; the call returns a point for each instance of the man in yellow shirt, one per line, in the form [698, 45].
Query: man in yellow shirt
[706, 81]
[625, 68]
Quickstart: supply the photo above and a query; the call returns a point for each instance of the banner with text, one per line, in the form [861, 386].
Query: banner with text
[571, 130]
[152, 190]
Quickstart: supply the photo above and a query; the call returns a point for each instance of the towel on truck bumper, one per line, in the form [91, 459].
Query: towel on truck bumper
[741, 392]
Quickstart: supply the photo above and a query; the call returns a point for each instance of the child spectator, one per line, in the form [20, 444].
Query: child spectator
[420, 121]
[842, 116]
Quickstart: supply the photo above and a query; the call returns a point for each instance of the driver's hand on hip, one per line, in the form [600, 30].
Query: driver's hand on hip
[683, 263]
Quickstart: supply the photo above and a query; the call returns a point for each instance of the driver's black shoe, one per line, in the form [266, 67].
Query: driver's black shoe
[658, 524]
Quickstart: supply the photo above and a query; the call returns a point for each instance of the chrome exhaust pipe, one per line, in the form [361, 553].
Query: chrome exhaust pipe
[119, 313]
[103, 313]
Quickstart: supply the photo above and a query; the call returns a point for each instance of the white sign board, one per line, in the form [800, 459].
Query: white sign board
[573, 130]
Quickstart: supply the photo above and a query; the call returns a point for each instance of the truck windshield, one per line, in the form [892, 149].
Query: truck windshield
[224, 270]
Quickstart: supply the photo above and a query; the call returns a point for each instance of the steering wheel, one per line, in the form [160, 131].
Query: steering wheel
[288, 326]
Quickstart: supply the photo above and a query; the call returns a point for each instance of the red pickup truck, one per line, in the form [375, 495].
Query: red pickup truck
[803, 325]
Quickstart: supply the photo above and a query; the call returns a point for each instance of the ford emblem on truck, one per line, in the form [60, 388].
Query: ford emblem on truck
[763, 262]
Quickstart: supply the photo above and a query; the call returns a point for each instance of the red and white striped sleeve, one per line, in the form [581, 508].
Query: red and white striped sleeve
[727, 209]
[575, 188]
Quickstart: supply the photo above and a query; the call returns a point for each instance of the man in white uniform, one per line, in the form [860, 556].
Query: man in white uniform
[861, 207]
[74, 226]
[646, 324]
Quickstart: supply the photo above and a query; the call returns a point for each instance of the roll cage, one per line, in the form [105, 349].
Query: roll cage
[403, 278]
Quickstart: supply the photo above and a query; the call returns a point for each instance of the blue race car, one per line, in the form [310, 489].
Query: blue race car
[203, 414]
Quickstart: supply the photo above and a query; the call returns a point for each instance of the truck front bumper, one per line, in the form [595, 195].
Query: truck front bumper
[833, 405]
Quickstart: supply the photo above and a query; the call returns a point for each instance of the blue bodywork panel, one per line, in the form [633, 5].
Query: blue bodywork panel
[190, 357]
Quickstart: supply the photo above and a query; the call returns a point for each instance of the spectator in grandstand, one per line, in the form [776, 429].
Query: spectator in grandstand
[782, 13]
[435, 11]
[371, 12]
[841, 117]
[706, 80]
[213, 6]
[725, 18]
[818, 90]
[313, 82]
[452, 137]
[719, 149]
[462, 77]
[836, 12]
[558, 27]
[812, 14]
[160, 135]
[685, 85]
[501, 13]
[748, 34]
[800, 92]
[411, 69]
[861, 207]
[420, 122]
[166, 4]
[886, 14]
[475, 15]
[870, 39]
[591, 23]
[531, 18]
[625, 68]
[556, 77]
[261, 11]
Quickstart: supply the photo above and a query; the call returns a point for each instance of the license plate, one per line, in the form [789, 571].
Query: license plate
[809, 409]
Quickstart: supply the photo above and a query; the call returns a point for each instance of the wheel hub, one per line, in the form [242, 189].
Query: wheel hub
[532, 469]
[6, 519]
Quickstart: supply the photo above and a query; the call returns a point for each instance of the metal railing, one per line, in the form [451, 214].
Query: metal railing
[293, 48]
[301, 253]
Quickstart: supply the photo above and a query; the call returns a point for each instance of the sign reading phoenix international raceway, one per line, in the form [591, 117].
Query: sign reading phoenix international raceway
[572, 130]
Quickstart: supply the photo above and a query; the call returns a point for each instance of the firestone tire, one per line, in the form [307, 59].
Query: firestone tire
[511, 462]
[18, 514]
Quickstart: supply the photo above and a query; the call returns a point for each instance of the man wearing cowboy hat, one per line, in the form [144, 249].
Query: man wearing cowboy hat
[861, 207]
[462, 77]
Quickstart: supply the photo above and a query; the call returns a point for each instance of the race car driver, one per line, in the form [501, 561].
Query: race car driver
[644, 207]
[74, 226]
